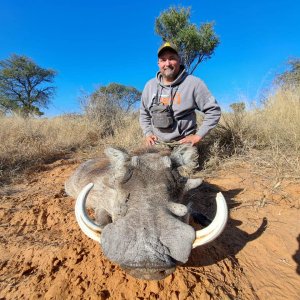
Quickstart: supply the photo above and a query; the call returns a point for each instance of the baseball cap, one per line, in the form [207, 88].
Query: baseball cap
[167, 46]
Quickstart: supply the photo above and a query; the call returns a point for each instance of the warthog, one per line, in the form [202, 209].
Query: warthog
[140, 220]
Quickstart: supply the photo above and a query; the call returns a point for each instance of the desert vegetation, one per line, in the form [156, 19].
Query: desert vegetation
[269, 136]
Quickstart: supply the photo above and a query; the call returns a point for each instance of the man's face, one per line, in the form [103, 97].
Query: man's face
[169, 65]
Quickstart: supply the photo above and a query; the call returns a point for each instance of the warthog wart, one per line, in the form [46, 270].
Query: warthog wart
[140, 219]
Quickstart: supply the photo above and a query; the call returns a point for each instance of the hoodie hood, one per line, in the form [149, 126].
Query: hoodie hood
[180, 77]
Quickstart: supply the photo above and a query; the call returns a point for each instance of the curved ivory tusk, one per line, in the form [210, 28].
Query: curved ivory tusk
[215, 228]
[91, 229]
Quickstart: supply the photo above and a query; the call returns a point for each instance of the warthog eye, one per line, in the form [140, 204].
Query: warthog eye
[127, 198]
[127, 176]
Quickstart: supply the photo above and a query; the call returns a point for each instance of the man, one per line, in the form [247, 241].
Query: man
[174, 92]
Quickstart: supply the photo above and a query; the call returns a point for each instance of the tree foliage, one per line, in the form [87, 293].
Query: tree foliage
[23, 86]
[108, 104]
[124, 97]
[195, 44]
[291, 77]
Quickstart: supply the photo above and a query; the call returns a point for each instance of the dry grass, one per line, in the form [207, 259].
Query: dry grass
[269, 136]
[129, 135]
[272, 133]
[279, 121]
[26, 143]
[29, 143]
[278, 133]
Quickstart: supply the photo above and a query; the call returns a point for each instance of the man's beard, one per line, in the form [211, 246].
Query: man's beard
[169, 74]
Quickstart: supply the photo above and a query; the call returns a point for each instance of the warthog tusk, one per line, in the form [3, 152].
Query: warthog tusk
[215, 228]
[91, 229]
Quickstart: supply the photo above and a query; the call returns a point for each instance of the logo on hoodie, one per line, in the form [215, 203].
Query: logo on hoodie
[166, 99]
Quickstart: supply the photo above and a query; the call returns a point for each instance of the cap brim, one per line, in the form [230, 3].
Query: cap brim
[165, 49]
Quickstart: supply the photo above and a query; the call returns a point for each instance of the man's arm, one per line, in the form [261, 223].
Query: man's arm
[145, 120]
[145, 117]
[209, 106]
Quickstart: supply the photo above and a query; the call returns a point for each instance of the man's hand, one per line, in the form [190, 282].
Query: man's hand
[151, 139]
[191, 139]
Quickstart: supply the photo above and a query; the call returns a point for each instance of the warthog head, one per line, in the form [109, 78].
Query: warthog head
[140, 220]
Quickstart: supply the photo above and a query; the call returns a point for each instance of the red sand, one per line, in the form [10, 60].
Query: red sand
[44, 255]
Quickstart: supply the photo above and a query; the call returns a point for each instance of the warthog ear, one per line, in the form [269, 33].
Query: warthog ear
[167, 161]
[119, 160]
[185, 156]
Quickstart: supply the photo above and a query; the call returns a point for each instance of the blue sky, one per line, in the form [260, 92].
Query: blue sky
[91, 43]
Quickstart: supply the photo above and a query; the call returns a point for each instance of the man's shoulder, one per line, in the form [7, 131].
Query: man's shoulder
[193, 78]
[194, 82]
[151, 82]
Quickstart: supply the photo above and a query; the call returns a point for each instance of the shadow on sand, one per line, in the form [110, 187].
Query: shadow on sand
[296, 256]
[232, 240]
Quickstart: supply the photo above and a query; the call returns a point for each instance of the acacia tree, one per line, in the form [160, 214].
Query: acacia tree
[111, 99]
[195, 44]
[23, 86]
[124, 97]
[108, 104]
[290, 77]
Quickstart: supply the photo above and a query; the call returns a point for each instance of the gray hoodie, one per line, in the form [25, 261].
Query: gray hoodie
[190, 94]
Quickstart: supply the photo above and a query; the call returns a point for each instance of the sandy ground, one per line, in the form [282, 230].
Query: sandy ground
[44, 255]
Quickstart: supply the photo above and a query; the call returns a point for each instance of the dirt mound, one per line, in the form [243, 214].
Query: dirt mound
[44, 254]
